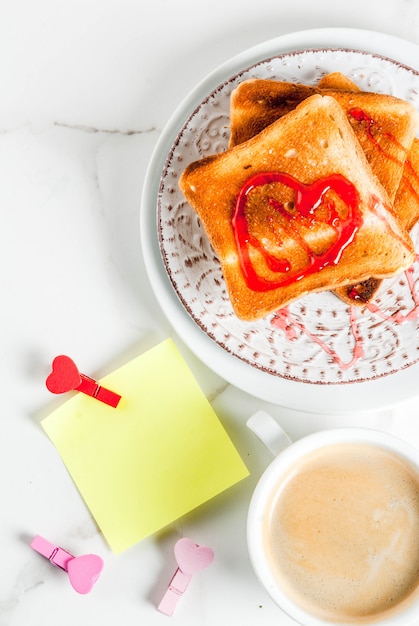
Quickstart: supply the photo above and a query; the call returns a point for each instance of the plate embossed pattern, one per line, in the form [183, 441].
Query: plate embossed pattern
[320, 337]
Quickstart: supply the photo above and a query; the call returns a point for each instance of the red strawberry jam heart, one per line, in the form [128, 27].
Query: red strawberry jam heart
[192, 558]
[83, 572]
[308, 198]
[64, 376]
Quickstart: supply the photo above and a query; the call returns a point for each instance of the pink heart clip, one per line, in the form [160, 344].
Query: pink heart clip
[191, 558]
[83, 571]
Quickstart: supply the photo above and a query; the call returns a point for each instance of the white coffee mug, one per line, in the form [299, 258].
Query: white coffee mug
[333, 526]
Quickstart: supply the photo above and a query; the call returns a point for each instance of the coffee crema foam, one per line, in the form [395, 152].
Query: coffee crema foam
[343, 533]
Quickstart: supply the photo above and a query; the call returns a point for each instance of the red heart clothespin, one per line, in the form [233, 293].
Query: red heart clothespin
[83, 571]
[65, 376]
[191, 558]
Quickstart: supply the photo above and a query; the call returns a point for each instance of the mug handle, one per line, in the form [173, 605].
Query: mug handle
[269, 432]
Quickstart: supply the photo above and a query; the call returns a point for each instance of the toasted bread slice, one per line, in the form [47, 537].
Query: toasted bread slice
[256, 103]
[406, 202]
[384, 125]
[364, 291]
[294, 209]
[385, 128]
[337, 80]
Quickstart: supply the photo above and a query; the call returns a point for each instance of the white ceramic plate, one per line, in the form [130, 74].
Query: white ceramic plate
[309, 363]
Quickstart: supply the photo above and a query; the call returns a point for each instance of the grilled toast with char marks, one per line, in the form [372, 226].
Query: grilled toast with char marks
[275, 238]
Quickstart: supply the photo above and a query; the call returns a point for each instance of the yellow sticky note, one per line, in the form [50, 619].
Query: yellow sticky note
[161, 453]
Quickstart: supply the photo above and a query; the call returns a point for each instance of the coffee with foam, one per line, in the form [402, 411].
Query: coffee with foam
[342, 532]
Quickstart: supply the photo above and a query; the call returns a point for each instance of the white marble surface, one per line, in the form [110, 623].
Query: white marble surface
[86, 89]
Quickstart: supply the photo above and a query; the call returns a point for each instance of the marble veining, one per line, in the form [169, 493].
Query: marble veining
[106, 131]
[87, 89]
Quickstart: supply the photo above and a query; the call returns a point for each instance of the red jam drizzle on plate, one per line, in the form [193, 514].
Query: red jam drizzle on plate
[308, 199]
[399, 317]
[285, 321]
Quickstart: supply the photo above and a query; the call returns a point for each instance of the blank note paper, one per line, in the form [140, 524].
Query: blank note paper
[161, 453]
